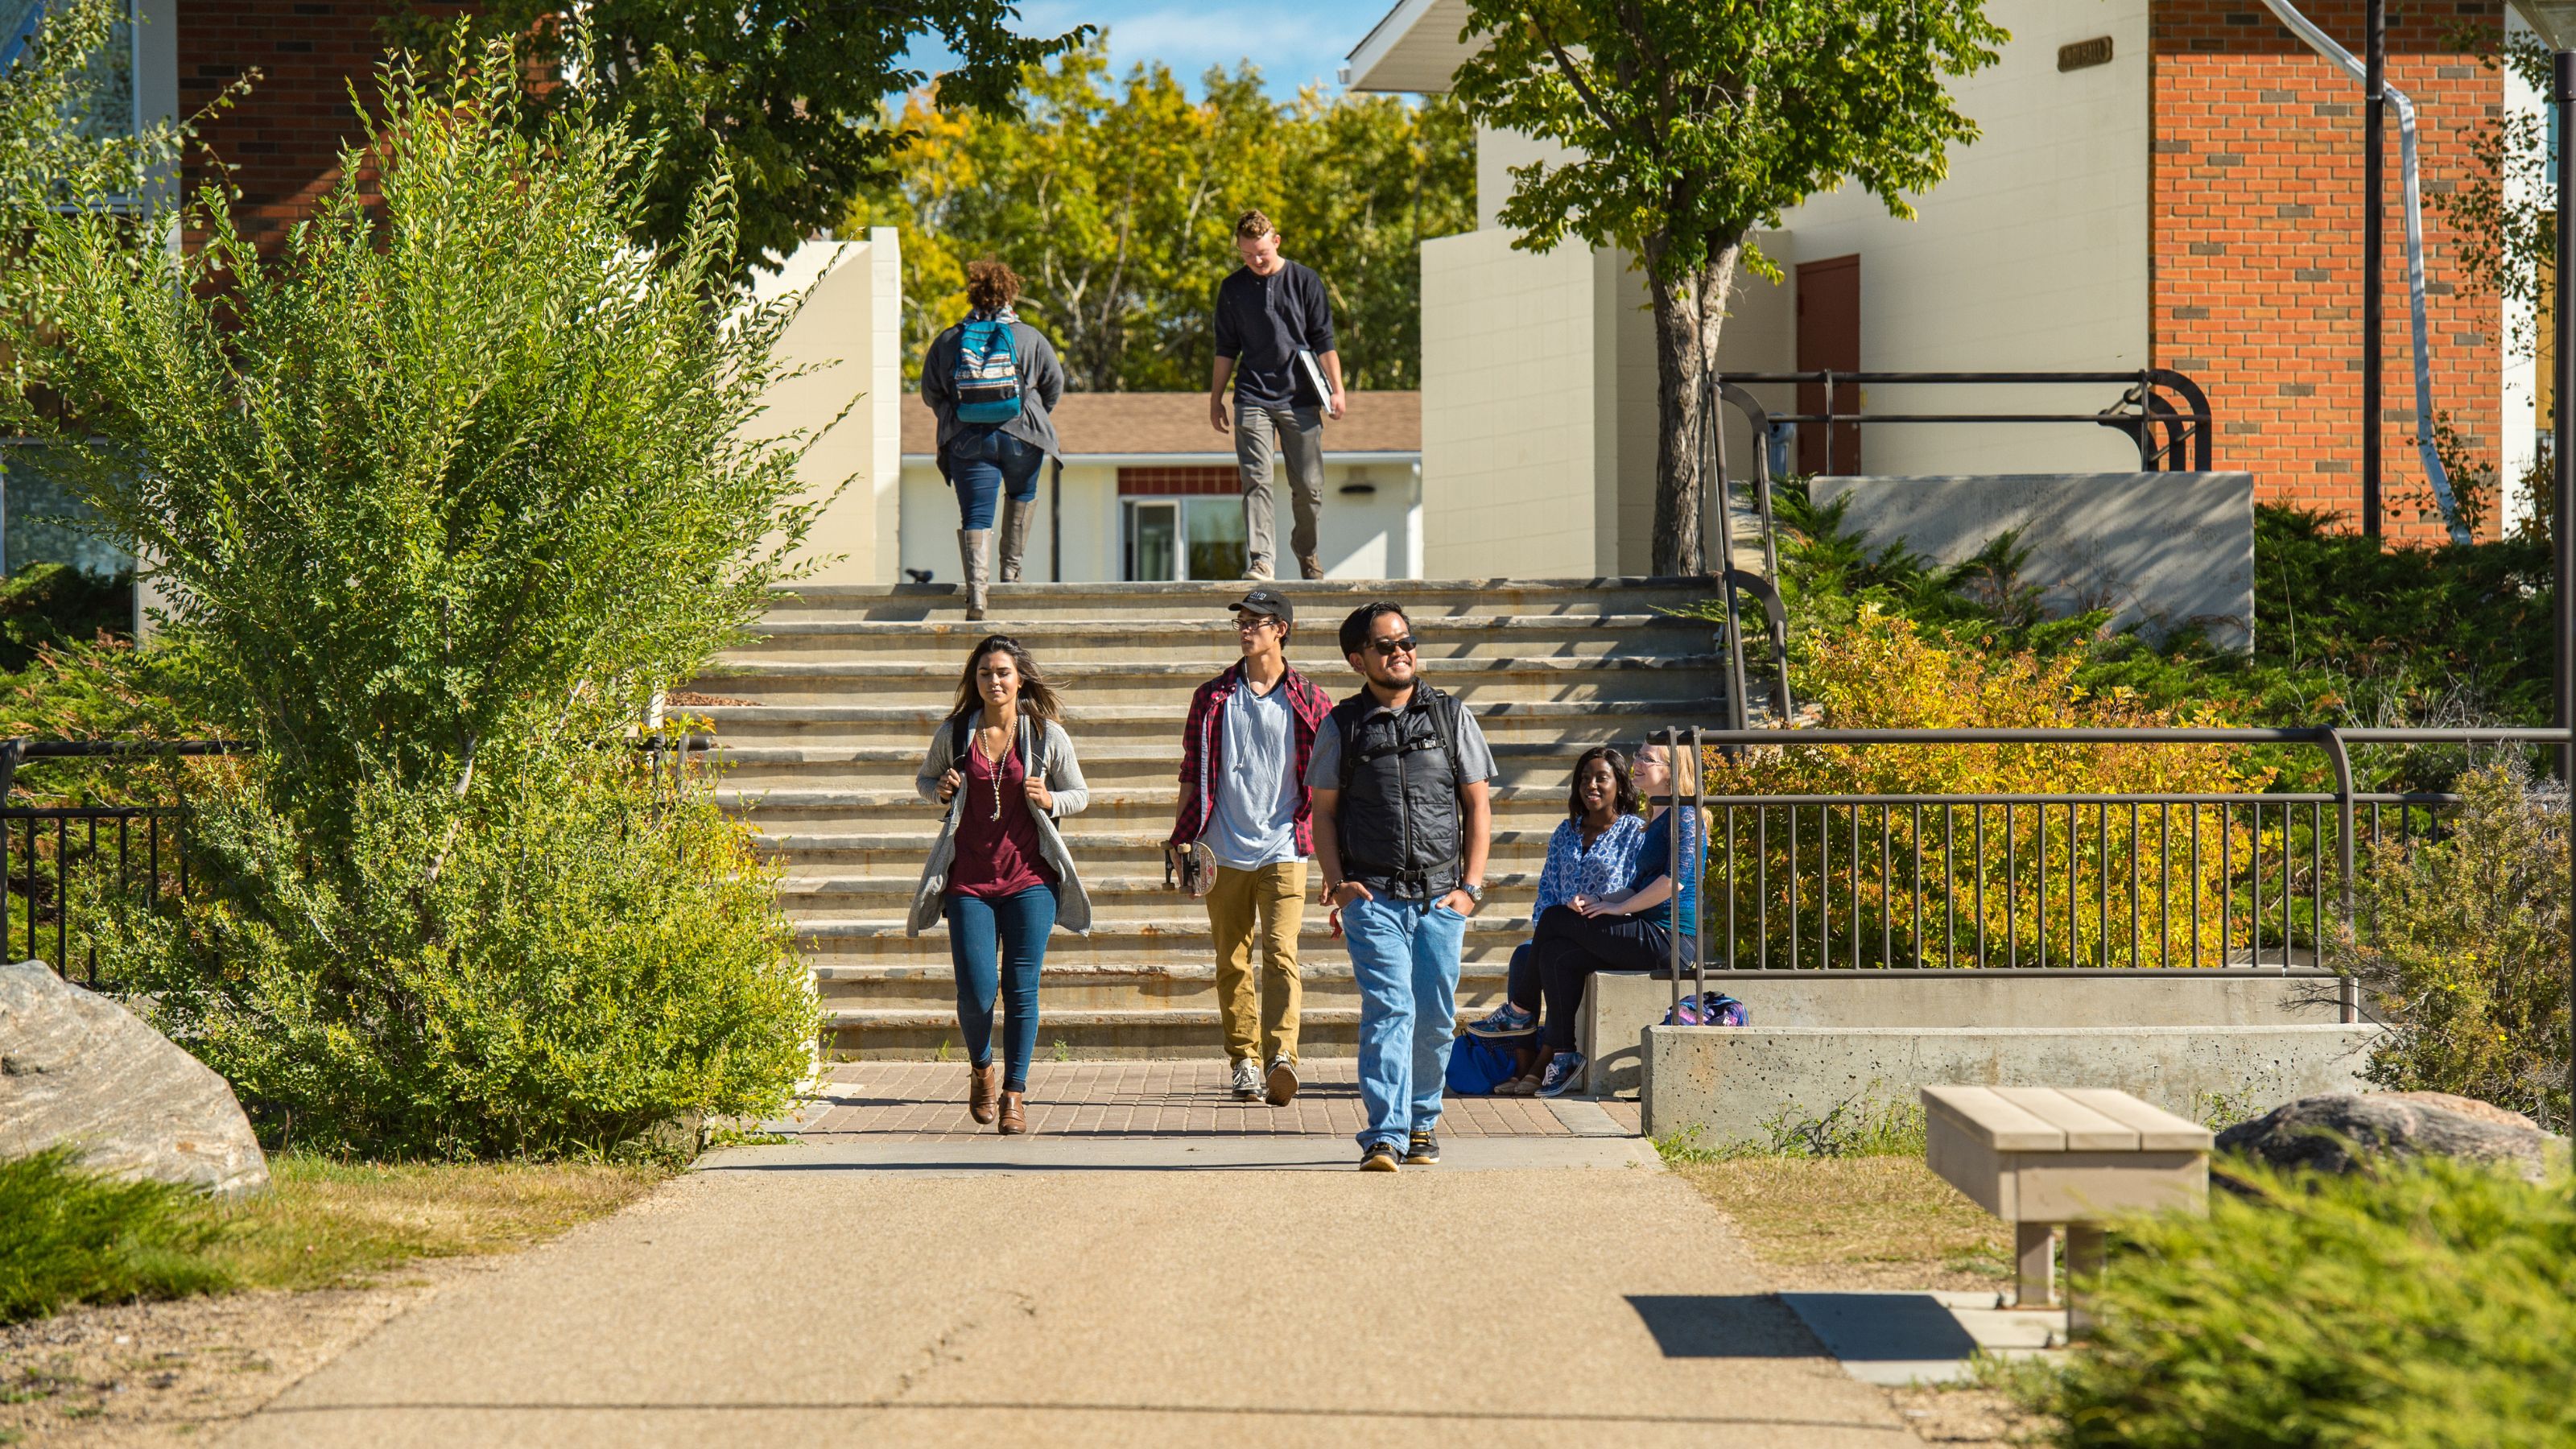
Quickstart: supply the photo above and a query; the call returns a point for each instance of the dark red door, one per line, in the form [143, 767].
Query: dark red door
[1829, 341]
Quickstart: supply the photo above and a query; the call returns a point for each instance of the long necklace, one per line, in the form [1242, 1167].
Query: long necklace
[1007, 737]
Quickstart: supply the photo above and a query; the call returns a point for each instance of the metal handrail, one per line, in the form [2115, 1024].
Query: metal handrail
[2193, 424]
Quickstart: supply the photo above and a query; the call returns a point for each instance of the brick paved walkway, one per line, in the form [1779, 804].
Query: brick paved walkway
[926, 1101]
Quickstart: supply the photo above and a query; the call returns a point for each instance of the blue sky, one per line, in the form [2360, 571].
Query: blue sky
[1292, 41]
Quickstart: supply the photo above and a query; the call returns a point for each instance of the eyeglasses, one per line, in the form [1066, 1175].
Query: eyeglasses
[1389, 648]
[1254, 623]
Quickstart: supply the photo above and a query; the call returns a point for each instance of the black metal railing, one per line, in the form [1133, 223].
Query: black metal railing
[45, 849]
[2043, 882]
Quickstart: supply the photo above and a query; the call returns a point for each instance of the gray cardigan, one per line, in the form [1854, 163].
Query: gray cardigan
[1053, 762]
[1041, 387]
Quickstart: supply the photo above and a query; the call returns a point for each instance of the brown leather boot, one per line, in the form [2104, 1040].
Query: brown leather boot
[1309, 566]
[1015, 1117]
[983, 1084]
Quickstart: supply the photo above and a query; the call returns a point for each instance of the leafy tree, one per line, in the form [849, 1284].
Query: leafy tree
[1116, 201]
[781, 97]
[1692, 122]
[446, 492]
[68, 138]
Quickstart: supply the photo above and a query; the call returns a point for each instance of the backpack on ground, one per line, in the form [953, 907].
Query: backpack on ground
[986, 375]
[1478, 1066]
[1708, 1008]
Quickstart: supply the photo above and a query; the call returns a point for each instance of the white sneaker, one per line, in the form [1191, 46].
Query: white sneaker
[1247, 1079]
[1282, 1081]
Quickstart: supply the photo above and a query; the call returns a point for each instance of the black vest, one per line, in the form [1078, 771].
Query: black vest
[1399, 819]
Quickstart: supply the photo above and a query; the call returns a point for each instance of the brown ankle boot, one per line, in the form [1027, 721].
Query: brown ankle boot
[1015, 1117]
[983, 1084]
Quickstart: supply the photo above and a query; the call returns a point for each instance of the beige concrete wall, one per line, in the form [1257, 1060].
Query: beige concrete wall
[849, 334]
[1511, 347]
[2031, 255]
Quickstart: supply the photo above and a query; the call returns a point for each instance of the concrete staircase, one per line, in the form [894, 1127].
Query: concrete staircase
[832, 699]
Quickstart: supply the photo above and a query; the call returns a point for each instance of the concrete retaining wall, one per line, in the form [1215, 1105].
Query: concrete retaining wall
[2159, 549]
[1621, 1004]
[1729, 1082]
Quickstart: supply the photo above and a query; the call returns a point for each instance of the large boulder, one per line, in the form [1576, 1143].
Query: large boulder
[77, 1068]
[2342, 1131]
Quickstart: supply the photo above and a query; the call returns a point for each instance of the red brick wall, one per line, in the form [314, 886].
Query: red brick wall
[2255, 255]
[285, 136]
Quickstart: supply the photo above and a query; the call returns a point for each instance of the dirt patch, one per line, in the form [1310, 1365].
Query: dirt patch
[156, 1374]
[1967, 1415]
[1857, 1223]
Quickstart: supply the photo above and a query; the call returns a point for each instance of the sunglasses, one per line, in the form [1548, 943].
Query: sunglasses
[1389, 648]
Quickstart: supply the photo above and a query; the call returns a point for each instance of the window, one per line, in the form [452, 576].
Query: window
[1184, 538]
[112, 105]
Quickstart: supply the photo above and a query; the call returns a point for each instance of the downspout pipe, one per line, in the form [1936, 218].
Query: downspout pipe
[2318, 41]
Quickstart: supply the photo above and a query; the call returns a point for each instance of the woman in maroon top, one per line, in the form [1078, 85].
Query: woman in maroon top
[1004, 768]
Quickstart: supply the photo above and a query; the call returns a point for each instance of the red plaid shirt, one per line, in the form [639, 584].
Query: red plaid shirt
[1203, 751]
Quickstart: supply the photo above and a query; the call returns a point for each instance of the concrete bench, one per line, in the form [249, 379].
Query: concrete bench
[2045, 1158]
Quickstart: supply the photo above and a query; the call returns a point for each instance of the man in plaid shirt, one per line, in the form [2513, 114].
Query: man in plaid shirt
[1244, 752]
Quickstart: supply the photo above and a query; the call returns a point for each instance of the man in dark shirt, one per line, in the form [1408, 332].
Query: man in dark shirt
[1266, 310]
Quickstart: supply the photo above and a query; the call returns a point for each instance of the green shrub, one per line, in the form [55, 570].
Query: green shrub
[2431, 1306]
[557, 964]
[68, 1236]
[2462, 946]
[444, 494]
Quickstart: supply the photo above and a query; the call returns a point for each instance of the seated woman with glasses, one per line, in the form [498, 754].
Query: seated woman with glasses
[1629, 929]
[1592, 853]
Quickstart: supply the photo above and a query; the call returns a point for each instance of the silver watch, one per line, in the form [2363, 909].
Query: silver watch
[1475, 893]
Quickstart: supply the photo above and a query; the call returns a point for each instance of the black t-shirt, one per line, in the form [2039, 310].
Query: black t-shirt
[1262, 321]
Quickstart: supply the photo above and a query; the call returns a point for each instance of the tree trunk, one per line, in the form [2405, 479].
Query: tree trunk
[1689, 310]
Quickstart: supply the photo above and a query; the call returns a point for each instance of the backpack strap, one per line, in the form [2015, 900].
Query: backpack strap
[1444, 718]
[1344, 717]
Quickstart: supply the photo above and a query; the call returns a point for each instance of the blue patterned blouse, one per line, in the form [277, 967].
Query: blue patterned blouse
[1574, 871]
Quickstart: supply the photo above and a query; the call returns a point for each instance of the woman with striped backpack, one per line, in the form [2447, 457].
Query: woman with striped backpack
[992, 380]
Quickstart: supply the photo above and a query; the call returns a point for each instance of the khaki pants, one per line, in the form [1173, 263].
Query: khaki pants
[1299, 433]
[1271, 903]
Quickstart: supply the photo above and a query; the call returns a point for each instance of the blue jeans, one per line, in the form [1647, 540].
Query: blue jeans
[989, 941]
[984, 462]
[1404, 956]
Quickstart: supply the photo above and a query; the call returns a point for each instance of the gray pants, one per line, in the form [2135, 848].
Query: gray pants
[1299, 434]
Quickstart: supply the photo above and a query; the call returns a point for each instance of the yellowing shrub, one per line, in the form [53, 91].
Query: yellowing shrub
[1882, 674]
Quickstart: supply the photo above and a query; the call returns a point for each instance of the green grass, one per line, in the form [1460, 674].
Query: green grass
[69, 1237]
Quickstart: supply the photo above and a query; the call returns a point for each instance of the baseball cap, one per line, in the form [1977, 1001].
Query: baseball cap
[1267, 601]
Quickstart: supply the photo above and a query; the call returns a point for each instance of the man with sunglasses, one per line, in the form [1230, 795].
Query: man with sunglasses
[1401, 779]
[1244, 752]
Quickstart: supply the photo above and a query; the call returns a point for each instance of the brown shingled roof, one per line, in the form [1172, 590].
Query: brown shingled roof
[1176, 422]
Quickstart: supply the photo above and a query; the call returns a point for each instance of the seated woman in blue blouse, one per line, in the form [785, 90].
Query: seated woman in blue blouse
[1593, 852]
[1628, 930]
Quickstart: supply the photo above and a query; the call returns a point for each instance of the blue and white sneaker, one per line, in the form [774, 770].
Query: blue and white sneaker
[1504, 1020]
[1564, 1074]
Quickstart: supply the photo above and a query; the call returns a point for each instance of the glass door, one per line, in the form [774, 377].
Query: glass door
[1153, 539]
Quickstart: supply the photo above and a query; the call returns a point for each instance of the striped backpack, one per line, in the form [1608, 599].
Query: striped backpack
[987, 374]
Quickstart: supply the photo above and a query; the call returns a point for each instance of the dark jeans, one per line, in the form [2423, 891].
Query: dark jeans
[1570, 946]
[982, 464]
[1520, 979]
[990, 942]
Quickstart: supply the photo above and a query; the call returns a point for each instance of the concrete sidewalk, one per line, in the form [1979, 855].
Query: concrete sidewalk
[909, 1293]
